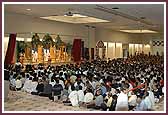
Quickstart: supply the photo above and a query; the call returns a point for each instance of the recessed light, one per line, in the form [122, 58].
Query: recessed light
[28, 9]
[138, 31]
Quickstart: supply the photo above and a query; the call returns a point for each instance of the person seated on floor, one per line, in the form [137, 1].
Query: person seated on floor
[72, 98]
[47, 92]
[18, 83]
[141, 105]
[156, 93]
[132, 100]
[79, 82]
[34, 84]
[12, 80]
[117, 92]
[88, 86]
[151, 96]
[148, 101]
[57, 77]
[52, 81]
[98, 102]
[39, 88]
[73, 79]
[113, 103]
[27, 86]
[103, 89]
[23, 78]
[108, 99]
[98, 86]
[122, 100]
[56, 90]
[88, 96]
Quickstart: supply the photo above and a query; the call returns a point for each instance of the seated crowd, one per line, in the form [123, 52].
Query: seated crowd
[132, 84]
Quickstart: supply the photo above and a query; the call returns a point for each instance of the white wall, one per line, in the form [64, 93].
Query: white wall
[108, 35]
[17, 23]
[115, 36]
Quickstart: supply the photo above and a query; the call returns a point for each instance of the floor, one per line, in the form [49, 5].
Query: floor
[21, 101]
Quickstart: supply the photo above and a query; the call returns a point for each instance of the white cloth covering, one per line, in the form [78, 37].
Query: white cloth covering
[81, 95]
[132, 100]
[18, 83]
[122, 102]
[88, 97]
[73, 97]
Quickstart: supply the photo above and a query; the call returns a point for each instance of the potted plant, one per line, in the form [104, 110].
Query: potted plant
[58, 42]
[20, 48]
[47, 41]
[35, 41]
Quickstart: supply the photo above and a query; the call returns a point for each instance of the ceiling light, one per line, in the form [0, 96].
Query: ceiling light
[28, 9]
[79, 16]
[138, 31]
[76, 19]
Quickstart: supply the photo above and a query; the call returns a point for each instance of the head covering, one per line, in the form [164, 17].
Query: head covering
[57, 76]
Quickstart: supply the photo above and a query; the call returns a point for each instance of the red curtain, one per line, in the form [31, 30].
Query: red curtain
[11, 49]
[82, 48]
[76, 50]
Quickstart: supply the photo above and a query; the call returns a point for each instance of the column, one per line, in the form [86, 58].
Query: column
[119, 52]
[111, 50]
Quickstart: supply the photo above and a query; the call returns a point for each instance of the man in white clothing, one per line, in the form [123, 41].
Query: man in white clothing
[18, 84]
[122, 101]
[132, 101]
[148, 101]
[151, 96]
[27, 85]
[88, 96]
[73, 97]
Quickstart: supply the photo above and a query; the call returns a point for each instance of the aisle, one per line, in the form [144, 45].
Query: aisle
[21, 101]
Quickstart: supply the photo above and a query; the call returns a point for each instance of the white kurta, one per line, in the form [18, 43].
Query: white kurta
[88, 97]
[151, 97]
[18, 83]
[27, 86]
[73, 96]
[148, 102]
[80, 96]
[34, 86]
[122, 102]
[132, 100]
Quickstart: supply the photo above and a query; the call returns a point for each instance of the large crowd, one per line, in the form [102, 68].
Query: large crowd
[135, 83]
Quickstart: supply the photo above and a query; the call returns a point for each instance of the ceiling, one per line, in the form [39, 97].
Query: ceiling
[153, 13]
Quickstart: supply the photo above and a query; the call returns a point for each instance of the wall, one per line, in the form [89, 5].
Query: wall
[17, 23]
[115, 36]
[108, 35]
